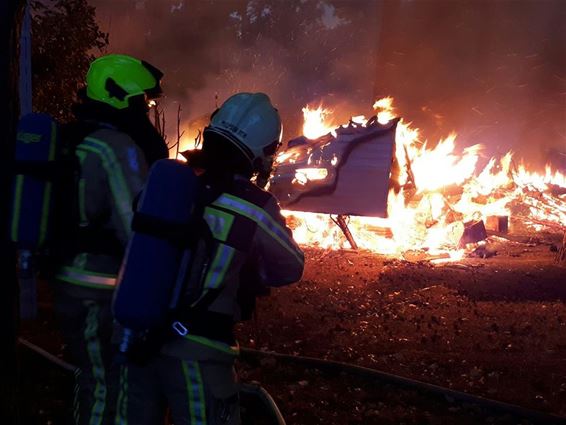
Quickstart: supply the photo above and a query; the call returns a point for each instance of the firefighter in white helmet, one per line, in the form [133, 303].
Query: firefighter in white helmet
[251, 249]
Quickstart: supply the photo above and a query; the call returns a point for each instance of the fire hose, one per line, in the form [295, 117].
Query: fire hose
[254, 390]
[266, 399]
[336, 367]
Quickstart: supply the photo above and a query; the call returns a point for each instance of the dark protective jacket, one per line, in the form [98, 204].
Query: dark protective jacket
[248, 248]
[113, 169]
[252, 249]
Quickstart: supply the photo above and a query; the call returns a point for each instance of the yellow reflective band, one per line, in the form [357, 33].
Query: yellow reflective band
[220, 346]
[86, 278]
[122, 409]
[195, 392]
[259, 216]
[45, 213]
[118, 185]
[48, 187]
[220, 264]
[217, 271]
[219, 222]
[17, 207]
[92, 341]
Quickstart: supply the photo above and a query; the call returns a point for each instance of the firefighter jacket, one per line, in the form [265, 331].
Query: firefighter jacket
[112, 171]
[252, 249]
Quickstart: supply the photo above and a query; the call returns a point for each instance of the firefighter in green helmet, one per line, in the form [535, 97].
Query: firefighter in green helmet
[114, 142]
[248, 250]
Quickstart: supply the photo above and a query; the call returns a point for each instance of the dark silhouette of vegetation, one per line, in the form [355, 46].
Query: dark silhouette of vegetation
[65, 39]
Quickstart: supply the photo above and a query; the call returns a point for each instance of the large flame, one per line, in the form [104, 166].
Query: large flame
[441, 190]
[317, 122]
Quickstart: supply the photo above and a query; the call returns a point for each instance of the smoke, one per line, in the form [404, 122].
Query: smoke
[298, 52]
[495, 72]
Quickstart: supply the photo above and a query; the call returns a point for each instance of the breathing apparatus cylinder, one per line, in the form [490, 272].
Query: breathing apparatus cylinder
[158, 255]
[37, 170]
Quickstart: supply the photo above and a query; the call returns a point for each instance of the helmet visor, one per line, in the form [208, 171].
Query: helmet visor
[156, 91]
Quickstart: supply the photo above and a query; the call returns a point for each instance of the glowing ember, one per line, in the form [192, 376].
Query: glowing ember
[439, 190]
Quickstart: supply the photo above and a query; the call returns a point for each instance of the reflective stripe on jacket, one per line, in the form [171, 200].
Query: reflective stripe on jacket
[252, 246]
[113, 170]
[86, 278]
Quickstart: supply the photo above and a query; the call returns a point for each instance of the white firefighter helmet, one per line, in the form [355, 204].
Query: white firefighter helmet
[251, 123]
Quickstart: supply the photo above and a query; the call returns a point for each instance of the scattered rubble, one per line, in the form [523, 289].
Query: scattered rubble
[493, 327]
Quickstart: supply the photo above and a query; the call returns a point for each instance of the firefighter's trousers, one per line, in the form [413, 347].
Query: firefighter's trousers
[86, 324]
[199, 388]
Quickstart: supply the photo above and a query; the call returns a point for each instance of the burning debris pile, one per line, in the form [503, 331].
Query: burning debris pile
[396, 194]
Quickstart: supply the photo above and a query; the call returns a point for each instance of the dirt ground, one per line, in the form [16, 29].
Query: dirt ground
[494, 327]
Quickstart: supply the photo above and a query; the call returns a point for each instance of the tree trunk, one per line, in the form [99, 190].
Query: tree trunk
[11, 13]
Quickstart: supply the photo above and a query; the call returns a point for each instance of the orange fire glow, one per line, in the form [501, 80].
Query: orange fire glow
[317, 122]
[448, 190]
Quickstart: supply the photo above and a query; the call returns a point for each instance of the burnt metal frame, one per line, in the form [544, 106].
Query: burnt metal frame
[341, 221]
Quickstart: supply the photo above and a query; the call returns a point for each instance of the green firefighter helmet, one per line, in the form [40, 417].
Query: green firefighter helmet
[251, 123]
[115, 79]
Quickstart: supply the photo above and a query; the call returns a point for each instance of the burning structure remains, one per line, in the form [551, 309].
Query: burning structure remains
[324, 176]
[400, 193]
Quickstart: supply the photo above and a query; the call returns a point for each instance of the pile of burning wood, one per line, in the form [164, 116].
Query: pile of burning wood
[373, 184]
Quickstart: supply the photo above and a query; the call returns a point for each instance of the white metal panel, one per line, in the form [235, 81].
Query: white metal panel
[357, 185]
